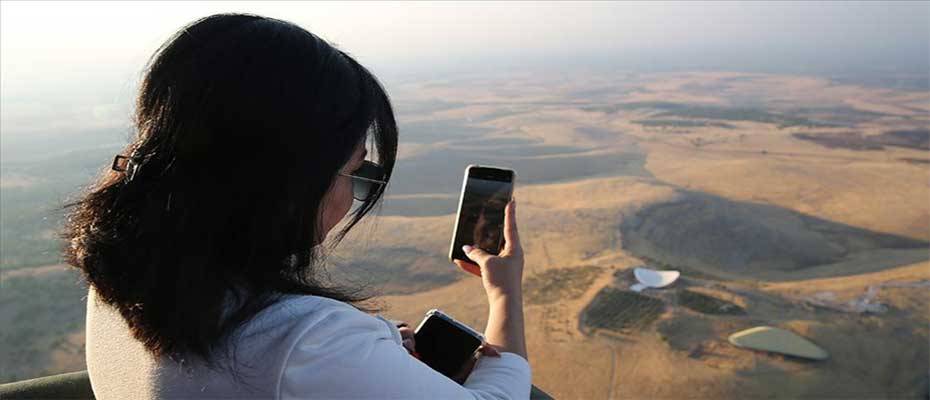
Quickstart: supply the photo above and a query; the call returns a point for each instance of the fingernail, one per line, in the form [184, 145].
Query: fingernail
[467, 249]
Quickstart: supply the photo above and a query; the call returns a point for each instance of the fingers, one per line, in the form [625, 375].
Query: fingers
[406, 332]
[468, 267]
[511, 236]
[488, 350]
[410, 345]
[477, 255]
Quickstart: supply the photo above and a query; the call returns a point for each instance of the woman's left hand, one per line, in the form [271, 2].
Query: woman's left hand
[406, 333]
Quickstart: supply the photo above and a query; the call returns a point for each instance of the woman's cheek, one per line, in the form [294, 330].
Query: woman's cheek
[337, 204]
[346, 199]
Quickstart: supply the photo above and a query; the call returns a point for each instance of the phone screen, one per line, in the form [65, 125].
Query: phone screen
[481, 217]
[444, 346]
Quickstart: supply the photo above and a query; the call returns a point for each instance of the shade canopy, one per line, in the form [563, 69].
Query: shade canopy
[777, 340]
[650, 278]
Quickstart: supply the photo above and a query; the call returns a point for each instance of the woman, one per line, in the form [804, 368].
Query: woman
[200, 248]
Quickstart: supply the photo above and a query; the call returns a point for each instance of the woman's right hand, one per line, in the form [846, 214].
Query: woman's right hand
[502, 275]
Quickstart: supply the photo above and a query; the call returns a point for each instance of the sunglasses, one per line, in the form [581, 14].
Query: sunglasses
[366, 180]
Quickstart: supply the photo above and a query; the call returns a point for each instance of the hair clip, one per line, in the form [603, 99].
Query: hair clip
[123, 163]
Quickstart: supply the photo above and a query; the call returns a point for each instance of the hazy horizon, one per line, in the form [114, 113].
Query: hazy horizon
[81, 61]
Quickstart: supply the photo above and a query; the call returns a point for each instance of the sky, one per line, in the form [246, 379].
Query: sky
[81, 61]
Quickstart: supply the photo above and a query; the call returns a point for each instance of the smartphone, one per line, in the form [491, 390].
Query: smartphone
[444, 343]
[486, 190]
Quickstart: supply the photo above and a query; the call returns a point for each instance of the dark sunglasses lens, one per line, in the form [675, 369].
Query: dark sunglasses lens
[361, 190]
[370, 170]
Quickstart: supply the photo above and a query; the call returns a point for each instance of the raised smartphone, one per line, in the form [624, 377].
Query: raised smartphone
[479, 222]
[444, 343]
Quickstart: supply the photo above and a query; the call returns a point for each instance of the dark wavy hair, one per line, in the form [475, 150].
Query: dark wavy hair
[242, 124]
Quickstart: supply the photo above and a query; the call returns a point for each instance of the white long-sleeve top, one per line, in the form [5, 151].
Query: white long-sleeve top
[303, 347]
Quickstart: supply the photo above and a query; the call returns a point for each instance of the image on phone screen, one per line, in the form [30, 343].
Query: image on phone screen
[481, 220]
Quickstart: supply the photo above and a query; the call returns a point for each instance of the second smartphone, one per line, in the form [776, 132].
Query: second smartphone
[444, 343]
[486, 190]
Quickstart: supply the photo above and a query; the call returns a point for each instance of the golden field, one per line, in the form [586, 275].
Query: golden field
[787, 198]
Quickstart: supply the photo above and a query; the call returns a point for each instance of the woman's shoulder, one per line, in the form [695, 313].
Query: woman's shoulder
[295, 305]
[306, 327]
[292, 311]
[320, 325]
[321, 315]
[316, 332]
[304, 317]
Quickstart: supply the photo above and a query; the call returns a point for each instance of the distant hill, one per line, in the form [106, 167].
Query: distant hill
[746, 239]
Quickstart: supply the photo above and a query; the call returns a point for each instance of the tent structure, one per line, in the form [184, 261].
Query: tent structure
[650, 278]
[777, 340]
